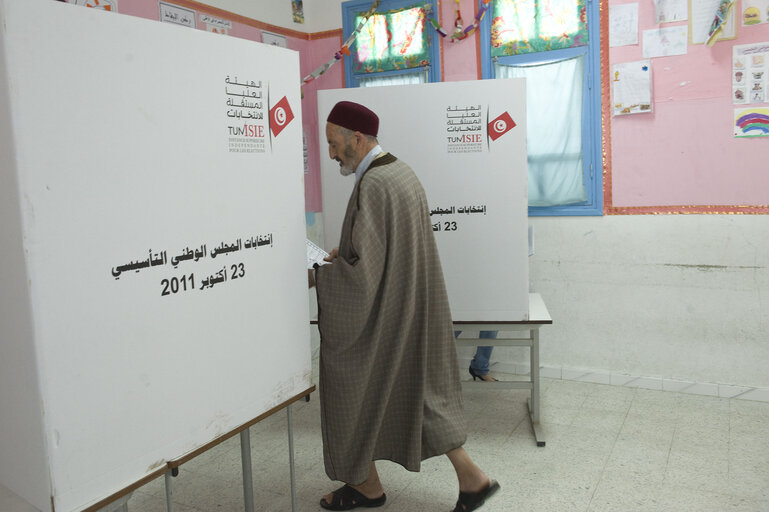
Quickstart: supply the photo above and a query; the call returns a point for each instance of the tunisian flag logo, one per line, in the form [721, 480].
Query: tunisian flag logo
[500, 126]
[280, 116]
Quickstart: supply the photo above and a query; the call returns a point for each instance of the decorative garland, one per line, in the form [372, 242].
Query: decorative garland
[344, 50]
[459, 34]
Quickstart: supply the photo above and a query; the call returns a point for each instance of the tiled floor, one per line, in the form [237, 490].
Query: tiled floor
[609, 448]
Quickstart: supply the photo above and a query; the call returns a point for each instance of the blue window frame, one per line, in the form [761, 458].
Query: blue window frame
[591, 142]
[351, 9]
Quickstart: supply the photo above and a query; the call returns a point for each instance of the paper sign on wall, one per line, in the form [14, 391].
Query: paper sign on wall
[750, 69]
[632, 87]
[105, 5]
[664, 42]
[755, 12]
[703, 14]
[623, 22]
[667, 11]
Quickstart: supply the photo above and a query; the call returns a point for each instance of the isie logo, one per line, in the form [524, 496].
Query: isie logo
[248, 130]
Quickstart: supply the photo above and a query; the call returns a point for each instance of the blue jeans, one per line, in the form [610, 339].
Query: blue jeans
[480, 363]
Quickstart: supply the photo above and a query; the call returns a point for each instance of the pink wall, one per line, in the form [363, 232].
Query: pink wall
[460, 58]
[319, 52]
[684, 153]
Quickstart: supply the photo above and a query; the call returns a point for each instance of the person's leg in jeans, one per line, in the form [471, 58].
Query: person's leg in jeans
[479, 366]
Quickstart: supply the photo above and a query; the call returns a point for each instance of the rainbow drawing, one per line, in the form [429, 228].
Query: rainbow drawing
[751, 122]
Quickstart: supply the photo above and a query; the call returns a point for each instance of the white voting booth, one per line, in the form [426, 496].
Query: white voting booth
[466, 141]
[154, 292]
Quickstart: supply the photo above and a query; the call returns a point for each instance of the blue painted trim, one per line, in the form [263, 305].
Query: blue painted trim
[351, 7]
[591, 115]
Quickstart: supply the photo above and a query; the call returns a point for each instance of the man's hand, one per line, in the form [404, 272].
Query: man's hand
[334, 254]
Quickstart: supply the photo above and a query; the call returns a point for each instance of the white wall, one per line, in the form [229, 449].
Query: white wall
[678, 297]
[319, 15]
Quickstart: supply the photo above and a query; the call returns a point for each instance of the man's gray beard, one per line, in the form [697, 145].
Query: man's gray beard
[345, 171]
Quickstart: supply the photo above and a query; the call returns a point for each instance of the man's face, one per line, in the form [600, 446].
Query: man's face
[340, 148]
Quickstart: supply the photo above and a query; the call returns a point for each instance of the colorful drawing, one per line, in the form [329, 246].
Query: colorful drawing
[751, 122]
[755, 12]
[297, 9]
[719, 22]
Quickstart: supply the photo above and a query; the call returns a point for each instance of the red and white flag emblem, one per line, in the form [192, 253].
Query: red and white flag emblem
[500, 126]
[280, 116]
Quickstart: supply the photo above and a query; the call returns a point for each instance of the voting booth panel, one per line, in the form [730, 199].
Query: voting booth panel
[157, 193]
[466, 141]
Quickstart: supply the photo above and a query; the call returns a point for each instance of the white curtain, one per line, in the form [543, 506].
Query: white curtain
[418, 77]
[554, 129]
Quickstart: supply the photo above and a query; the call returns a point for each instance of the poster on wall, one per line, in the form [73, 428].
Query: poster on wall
[623, 22]
[297, 11]
[632, 86]
[216, 25]
[703, 13]
[170, 13]
[669, 11]
[755, 12]
[105, 5]
[467, 146]
[751, 122]
[664, 42]
[274, 39]
[750, 73]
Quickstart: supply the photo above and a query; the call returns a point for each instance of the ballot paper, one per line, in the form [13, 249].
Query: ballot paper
[315, 255]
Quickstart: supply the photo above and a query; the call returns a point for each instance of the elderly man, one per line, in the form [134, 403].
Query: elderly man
[389, 381]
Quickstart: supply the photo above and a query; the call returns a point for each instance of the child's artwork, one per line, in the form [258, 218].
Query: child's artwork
[751, 122]
[632, 84]
[755, 12]
[750, 73]
[297, 10]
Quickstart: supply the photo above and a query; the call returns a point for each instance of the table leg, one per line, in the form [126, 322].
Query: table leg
[169, 491]
[291, 457]
[534, 401]
[245, 460]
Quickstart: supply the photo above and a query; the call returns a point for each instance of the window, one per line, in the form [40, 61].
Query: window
[555, 45]
[397, 45]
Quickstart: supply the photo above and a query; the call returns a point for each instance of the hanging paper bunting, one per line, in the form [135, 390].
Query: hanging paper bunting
[344, 50]
[459, 32]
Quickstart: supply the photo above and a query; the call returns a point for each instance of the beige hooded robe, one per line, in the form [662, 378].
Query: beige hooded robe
[389, 380]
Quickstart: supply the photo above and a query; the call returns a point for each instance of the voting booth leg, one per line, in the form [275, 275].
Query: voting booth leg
[291, 455]
[245, 459]
[534, 400]
[169, 490]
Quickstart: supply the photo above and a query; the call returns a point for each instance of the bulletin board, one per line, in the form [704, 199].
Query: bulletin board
[684, 155]
[159, 178]
[466, 141]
